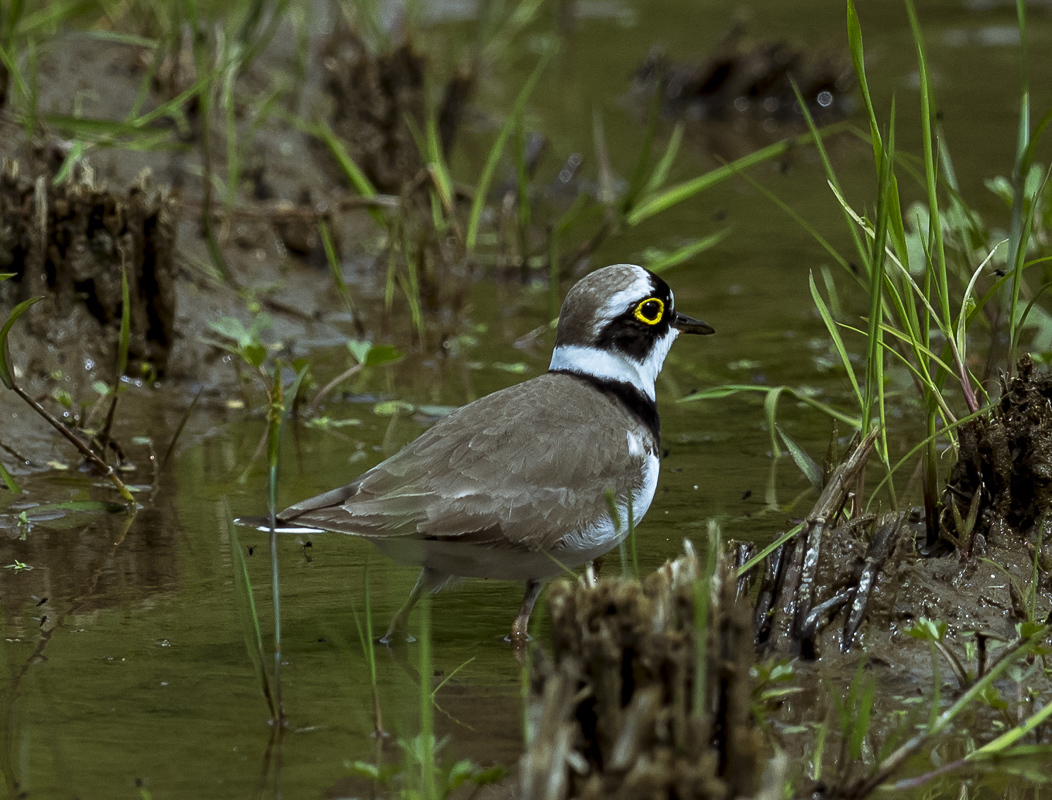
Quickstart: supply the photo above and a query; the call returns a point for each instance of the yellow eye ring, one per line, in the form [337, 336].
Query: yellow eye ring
[650, 311]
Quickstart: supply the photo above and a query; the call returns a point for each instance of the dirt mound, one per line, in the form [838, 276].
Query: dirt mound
[749, 79]
[1002, 481]
[379, 99]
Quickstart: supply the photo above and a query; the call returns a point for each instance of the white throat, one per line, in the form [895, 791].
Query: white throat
[614, 366]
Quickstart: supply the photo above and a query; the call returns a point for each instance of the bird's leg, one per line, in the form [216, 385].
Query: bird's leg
[400, 621]
[518, 635]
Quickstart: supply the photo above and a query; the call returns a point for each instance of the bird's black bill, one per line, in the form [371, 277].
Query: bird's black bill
[685, 324]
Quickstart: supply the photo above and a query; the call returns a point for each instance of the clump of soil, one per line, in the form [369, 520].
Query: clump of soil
[861, 583]
[378, 99]
[614, 714]
[748, 80]
[1003, 474]
[69, 244]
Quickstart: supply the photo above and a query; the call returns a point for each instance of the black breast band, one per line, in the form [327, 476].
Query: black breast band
[638, 404]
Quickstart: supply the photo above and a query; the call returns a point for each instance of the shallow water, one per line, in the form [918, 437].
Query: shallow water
[124, 661]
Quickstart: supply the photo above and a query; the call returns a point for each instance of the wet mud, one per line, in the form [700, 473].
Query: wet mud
[842, 588]
[1000, 489]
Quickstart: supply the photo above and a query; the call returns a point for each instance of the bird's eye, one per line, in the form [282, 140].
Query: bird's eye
[650, 311]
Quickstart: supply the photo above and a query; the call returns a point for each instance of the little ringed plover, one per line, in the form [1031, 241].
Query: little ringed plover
[515, 485]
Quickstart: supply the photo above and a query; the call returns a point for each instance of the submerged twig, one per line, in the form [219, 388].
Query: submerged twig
[788, 593]
[881, 546]
[86, 451]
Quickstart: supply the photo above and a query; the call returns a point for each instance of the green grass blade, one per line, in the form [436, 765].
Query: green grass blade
[803, 223]
[662, 201]
[727, 390]
[437, 164]
[702, 609]
[688, 251]
[660, 174]
[874, 388]
[354, 174]
[246, 610]
[766, 551]
[637, 183]
[854, 39]
[931, 178]
[427, 711]
[1017, 240]
[831, 178]
[9, 480]
[489, 169]
[1010, 737]
[834, 334]
[6, 376]
[770, 410]
[803, 460]
[334, 267]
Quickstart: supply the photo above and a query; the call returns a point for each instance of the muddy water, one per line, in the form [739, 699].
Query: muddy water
[123, 658]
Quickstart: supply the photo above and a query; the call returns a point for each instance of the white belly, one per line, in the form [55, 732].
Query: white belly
[582, 546]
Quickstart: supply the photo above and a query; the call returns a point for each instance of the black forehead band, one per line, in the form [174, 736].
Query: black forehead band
[658, 289]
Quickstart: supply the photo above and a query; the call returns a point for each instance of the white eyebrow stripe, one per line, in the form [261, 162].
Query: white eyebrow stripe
[615, 305]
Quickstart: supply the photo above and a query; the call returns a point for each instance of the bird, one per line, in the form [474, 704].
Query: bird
[529, 481]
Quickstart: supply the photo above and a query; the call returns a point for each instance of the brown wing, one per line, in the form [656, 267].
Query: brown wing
[518, 467]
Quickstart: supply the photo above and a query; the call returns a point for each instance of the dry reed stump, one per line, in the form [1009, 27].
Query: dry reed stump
[617, 712]
[69, 243]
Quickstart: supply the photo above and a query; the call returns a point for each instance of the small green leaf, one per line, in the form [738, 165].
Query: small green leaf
[389, 408]
[928, 630]
[231, 328]
[459, 774]
[359, 349]
[254, 353]
[365, 770]
[488, 775]
[382, 354]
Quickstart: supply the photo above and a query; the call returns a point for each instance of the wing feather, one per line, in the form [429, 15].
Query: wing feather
[480, 475]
